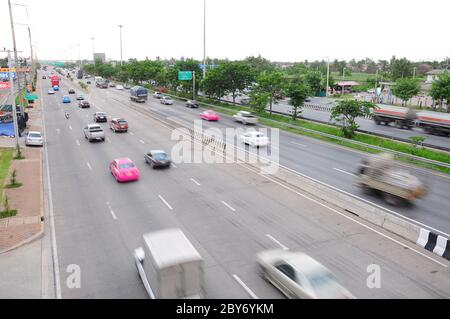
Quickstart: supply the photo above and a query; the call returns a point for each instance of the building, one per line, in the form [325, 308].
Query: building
[345, 86]
[100, 56]
[433, 75]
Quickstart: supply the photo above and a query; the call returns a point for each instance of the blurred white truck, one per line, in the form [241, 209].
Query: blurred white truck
[245, 117]
[169, 265]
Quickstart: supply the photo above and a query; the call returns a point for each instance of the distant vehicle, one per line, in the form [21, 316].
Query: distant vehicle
[80, 97]
[434, 123]
[379, 173]
[98, 78]
[255, 139]
[54, 79]
[44, 77]
[157, 158]
[66, 99]
[80, 74]
[84, 104]
[118, 125]
[157, 95]
[111, 84]
[124, 170]
[119, 87]
[169, 266]
[100, 117]
[209, 115]
[245, 117]
[166, 100]
[88, 81]
[103, 85]
[127, 86]
[56, 88]
[402, 117]
[192, 104]
[71, 91]
[34, 138]
[297, 275]
[138, 94]
[245, 101]
[94, 132]
[51, 91]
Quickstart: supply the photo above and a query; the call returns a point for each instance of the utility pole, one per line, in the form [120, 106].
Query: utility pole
[343, 79]
[328, 76]
[79, 56]
[93, 51]
[376, 85]
[16, 59]
[121, 59]
[414, 72]
[193, 85]
[13, 104]
[204, 39]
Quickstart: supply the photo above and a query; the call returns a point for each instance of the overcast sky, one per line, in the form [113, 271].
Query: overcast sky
[280, 30]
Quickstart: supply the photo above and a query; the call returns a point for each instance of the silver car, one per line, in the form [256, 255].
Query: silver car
[297, 275]
[166, 100]
[34, 138]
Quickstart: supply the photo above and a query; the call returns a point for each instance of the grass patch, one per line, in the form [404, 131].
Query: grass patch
[6, 214]
[15, 185]
[6, 156]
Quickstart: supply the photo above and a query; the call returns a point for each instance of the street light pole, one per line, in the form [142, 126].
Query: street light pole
[204, 38]
[79, 56]
[16, 59]
[93, 51]
[13, 104]
[328, 76]
[121, 59]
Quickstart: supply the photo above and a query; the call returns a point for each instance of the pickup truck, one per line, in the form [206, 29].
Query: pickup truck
[245, 117]
[94, 132]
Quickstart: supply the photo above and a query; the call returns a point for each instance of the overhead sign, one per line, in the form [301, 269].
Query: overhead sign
[185, 75]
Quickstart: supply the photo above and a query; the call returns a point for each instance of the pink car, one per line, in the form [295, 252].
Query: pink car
[124, 170]
[209, 116]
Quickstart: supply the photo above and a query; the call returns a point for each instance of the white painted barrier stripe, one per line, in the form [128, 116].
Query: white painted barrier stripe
[423, 237]
[441, 245]
[248, 290]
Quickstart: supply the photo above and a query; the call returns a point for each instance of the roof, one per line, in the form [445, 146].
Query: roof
[123, 160]
[347, 83]
[170, 247]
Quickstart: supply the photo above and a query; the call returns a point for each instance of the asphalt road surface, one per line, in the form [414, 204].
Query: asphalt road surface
[228, 212]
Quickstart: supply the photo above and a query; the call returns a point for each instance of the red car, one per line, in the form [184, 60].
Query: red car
[118, 125]
[124, 170]
[209, 116]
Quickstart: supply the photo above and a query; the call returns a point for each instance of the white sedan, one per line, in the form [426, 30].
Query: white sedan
[119, 87]
[255, 139]
[297, 275]
[166, 100]
[34, 138]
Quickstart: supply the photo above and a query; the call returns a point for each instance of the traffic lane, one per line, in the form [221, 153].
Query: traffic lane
[339, 171]
[370, 126]
[319, 160]
[219, 190]
[121, 205]
[84, 235]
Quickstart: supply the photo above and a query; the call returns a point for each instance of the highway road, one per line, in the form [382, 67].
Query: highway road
[227, 211]
[325, 162]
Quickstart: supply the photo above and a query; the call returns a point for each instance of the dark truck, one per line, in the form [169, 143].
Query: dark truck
[402, 117]
[80, 74]
[138, 94]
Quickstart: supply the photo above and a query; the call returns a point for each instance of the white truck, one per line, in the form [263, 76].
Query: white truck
[169, 265]
[245, 117]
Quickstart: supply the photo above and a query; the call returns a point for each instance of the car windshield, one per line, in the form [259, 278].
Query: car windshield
[160, 156]
[95, 129]
[122, 122]
[321, 280]
[34, 135]
[126, 165]
[101, 114]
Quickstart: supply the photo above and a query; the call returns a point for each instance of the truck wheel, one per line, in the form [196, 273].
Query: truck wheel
[392, 199]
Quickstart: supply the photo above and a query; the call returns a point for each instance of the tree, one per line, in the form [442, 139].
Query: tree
[346, 111]
[298, 93]
[270, 84]
[402, 68]
[213, 84]
[314, 80]
[259, 64]
[259, 100]
[440, 89]
[405, 89]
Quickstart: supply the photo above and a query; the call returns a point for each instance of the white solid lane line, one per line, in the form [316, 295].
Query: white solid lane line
[165, 202]
[78, 142]
[111, 211]
[276, 242]
[108, 140]
[174, 165]
[226, 204]
[142, 141]
[89, 166]
[248, 290]
[345, 172]
[195, 182]
[58, 131]
[131, 133]
[70, 126]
